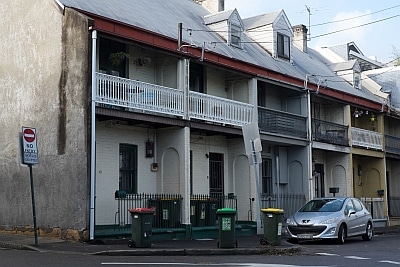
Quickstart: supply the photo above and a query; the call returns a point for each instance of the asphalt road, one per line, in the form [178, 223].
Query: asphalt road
[381, 251]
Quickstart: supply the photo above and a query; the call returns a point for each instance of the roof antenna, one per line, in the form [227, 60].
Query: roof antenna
[309, 23]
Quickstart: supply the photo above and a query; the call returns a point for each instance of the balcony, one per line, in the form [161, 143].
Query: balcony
[329, 132]
[392, 144]
[282, 123]
[134, 96]
[366, 139]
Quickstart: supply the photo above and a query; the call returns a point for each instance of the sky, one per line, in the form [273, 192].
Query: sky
[379, 37]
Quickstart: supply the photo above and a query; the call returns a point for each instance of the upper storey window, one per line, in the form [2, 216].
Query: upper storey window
[357, 80]
[235, 35]
[283, 46]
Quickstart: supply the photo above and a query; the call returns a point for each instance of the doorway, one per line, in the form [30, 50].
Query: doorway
[216, 175]
[319, 180]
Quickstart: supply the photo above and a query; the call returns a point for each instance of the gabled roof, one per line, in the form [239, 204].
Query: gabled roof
[217, 17]
[348, 65]
[349, 51]
[261, 20]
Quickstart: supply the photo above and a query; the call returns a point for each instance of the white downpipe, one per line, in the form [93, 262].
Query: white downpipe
[309, 159]
[93, 136]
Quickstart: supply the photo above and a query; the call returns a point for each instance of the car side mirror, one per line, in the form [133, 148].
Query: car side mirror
[351, 211]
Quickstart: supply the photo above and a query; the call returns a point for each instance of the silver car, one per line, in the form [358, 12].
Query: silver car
[334, 218]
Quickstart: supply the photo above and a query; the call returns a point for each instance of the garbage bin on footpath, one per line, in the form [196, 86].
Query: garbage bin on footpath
[272, 220]
[226, 227]
[142, 219]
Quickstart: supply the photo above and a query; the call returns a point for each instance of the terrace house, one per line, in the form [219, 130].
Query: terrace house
[133, 111]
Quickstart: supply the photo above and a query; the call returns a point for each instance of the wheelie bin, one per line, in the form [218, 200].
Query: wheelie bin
[226, 227]
[142, 219]
[272, 220]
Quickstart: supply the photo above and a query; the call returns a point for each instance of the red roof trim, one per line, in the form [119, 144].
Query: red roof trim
[156, 40]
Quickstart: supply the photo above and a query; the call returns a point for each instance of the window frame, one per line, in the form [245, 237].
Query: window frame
[266, 177]
[357, 80]
[283, 46]
[235, 35]
[128, 171]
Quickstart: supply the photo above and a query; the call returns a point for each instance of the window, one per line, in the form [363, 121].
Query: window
[283, 46]
[112, 57]
[357, 205]
[266, 170]
[128, 168]
[357, 80]
[196, 78]
[235, 35]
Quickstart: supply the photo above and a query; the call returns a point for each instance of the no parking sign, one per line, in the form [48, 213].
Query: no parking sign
[29, 146]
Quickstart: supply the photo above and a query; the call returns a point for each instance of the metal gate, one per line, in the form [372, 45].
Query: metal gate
[216, 176]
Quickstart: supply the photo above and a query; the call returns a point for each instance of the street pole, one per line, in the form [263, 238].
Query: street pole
[33, 204]
[257, 176]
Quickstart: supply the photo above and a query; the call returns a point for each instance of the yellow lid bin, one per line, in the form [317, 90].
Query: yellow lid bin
[273, 210]
[272, 220]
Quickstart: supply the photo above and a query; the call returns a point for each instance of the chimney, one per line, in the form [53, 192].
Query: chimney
[300, 37]
[213, 6]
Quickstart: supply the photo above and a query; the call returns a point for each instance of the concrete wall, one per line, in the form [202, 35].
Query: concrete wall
[43, 74]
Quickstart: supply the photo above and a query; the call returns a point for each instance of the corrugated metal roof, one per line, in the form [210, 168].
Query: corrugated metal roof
[162, 17]
[389, 79]
[260, 20]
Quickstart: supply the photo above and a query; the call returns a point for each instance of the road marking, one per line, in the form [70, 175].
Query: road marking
[327, 254]
[209, 264]
[356, 258]
[391, 262]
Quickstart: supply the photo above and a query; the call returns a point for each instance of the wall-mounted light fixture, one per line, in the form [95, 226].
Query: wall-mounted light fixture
[372, 117]
[357, 113]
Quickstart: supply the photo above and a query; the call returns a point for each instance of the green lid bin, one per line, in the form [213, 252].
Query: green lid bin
[272, 220]
[226, 227]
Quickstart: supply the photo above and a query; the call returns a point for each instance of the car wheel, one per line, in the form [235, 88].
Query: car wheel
[368, 233]
[341, 234]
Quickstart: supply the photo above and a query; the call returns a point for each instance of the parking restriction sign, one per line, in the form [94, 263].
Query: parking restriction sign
[29, 146]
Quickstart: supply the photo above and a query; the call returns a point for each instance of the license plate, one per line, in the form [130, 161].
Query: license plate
[305, 236]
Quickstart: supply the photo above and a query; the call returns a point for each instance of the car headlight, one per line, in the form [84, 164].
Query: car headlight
[329, 221]
[290, 221]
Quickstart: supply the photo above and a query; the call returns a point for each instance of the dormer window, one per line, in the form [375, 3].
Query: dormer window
[357, 80]
[228, 25]
[235, 35]
[283, 46]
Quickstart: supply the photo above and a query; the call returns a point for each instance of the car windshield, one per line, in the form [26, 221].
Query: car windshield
[323, 205]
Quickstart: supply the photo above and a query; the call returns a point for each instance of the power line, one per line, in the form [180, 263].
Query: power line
[335, 21]
[358, 26]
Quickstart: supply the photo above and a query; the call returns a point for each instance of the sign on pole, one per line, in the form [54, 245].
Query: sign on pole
[29, 156]
[252, 142]
[29, 146]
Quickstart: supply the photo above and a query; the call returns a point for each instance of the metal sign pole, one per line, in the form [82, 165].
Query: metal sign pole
[33, 205]
[257, 177]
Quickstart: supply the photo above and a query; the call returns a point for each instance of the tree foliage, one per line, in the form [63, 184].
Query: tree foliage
[396, 56]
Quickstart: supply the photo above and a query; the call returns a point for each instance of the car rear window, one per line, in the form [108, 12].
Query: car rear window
[323, 205]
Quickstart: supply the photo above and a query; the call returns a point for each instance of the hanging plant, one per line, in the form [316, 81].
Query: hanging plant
[118, 57]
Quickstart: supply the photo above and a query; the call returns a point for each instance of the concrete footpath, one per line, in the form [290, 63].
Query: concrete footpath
[247, 245]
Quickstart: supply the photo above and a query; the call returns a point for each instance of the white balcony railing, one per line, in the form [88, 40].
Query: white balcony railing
[218, 109]
[135, 95]
[113, 90]
[366, 138]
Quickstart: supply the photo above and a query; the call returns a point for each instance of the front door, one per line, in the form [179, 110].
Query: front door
[216, 175]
